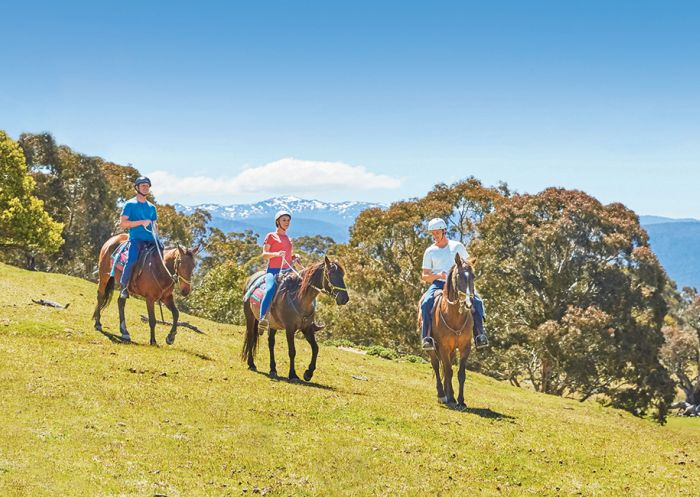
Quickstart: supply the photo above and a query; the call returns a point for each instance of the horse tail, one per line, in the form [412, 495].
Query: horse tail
[250, 343]
[104, 299]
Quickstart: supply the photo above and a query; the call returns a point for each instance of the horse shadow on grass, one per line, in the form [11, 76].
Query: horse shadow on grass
[308, 384]
[118, 339]
[483, 412]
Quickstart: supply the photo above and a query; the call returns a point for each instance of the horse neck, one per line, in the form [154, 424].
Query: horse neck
[306, 298]
[451, 298]
[169, 261]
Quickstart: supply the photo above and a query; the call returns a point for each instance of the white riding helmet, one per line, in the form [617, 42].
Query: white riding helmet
[282, 213]
[437, 224]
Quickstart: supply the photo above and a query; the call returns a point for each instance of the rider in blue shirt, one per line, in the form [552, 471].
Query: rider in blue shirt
[137, 215]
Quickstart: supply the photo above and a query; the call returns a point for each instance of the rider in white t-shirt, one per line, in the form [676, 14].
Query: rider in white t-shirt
[437, 261]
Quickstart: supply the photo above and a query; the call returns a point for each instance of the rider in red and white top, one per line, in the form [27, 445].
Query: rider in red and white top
[279, 252]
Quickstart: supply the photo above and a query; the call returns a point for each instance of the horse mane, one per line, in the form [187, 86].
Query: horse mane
[448, 286]
[308, 276]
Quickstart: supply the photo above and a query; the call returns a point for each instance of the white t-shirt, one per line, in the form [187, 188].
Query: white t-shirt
[440, 260]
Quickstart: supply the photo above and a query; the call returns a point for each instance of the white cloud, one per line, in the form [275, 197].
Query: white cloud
[284, 176]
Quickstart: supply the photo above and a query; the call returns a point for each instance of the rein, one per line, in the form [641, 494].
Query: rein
[174, 277]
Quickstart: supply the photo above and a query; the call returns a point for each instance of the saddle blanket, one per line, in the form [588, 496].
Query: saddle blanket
[120, 256]
[256, 289]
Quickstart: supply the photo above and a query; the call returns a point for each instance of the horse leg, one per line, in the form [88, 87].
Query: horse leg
[462, 376]
[442, 398]
[100, 298]
[250, 341]
[446, 358]
[170, 304]
[151, 320]
[122, 320]
[292, 354]
[271, 345]
[96, 315]
[104, 294]
[311, 338]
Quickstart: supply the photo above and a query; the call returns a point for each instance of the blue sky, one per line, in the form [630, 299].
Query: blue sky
[235, 102]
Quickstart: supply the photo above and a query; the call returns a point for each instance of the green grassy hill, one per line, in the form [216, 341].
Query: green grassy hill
[84, 416]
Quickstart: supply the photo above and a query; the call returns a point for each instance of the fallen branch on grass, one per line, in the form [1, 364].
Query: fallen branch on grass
[50, 303]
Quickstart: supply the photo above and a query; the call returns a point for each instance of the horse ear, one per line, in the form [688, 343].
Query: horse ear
[180, 249]
[326, 260]
[196, 249]
[472, 262]
[458, 260]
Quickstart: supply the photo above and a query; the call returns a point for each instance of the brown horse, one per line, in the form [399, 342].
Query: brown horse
[452, 329]
[155, 282]
[292, 309]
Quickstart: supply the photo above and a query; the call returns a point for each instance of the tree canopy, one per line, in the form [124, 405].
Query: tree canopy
[24, 222]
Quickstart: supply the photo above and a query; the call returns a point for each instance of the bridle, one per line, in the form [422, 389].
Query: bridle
[332, 290]
[464, 301]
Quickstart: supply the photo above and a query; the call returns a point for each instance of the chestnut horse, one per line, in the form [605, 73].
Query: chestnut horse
[452, 329]
[292, 309]
[154, 282]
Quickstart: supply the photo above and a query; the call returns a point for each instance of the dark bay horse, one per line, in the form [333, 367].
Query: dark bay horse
[293, 309]
[154, 282]
[452, 329]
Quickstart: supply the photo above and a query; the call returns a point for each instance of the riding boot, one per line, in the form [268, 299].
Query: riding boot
[263, 325]
[480, 338]
[124, 292]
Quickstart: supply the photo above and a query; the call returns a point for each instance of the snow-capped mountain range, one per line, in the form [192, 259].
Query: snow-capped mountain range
[309, 217]
[673, 240]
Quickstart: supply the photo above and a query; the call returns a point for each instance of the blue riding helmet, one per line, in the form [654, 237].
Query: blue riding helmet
[141, 180]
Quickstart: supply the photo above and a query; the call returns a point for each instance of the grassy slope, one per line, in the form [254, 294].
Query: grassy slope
[84, 416]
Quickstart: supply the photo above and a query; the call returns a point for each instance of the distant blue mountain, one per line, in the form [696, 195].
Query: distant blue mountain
[649, 220]
[676, 242]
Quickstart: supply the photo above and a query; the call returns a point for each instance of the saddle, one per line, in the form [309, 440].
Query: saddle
[438, 293]
[256, 291]
[121, 255]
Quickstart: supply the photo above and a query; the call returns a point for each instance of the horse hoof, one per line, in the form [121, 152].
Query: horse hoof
[308, 375]
[461, 406]
[273, 374]
[125, 338]
[442, 400]
[169, 340]
[154, 343]
[98, 326]
[294, 379]
[251, 367]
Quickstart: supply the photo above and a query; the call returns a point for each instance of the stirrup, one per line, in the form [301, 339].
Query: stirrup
[428, 343]
[124, 293]
[481, 341]
[263, 326]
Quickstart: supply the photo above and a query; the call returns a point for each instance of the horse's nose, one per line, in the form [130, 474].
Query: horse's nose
[342, 298]
[185, 291]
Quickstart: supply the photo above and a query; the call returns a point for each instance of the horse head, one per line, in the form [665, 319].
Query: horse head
[184, 266]
[460, 283]
[334, 282]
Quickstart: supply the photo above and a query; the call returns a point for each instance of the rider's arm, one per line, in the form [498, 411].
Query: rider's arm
[267, 255]
[429, 277]
[124, 223]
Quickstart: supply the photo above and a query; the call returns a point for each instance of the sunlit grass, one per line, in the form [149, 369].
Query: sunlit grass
[85, 416]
